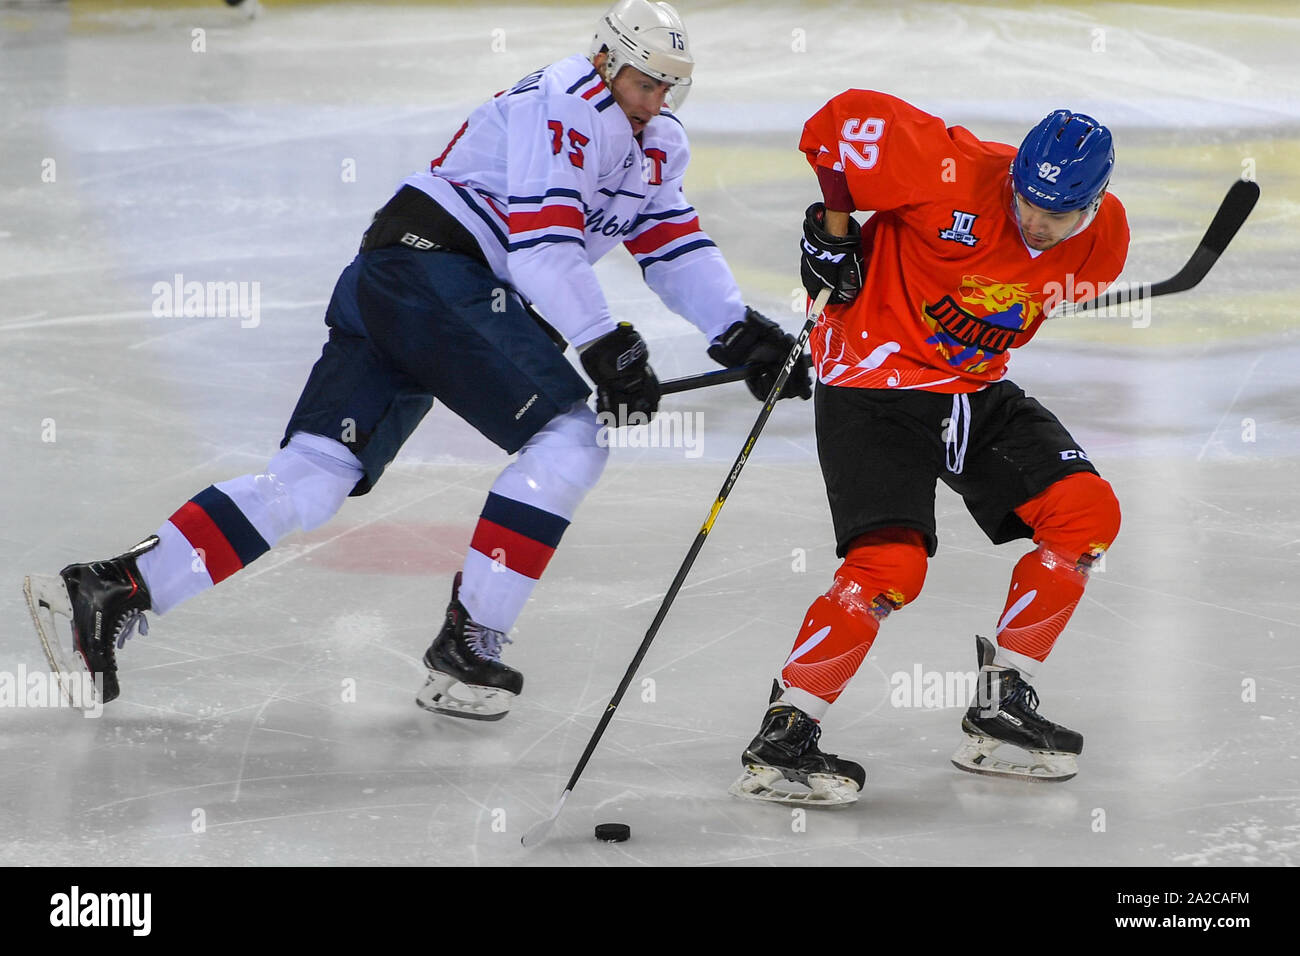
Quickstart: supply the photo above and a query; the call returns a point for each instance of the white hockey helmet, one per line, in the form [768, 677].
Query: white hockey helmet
[651, 37]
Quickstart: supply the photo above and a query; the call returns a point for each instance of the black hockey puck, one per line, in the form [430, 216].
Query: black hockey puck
[613, 832]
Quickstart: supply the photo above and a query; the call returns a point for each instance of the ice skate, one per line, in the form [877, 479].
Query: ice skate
[785, 753]
[466, 676]
[1005, 713]
[105, 602]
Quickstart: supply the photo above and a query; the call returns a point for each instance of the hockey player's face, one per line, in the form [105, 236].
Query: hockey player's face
[639, 96]
[1043, 228]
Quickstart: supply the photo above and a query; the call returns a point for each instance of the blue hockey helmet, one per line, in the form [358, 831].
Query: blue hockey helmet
[1064, 163]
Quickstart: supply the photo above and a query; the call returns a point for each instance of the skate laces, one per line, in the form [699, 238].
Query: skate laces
[483, 641]
[128, 625]
[1023, 694]
[803, 731]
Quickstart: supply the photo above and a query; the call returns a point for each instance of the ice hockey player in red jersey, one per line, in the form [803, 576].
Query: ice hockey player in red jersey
[468, 284]
[971, 244]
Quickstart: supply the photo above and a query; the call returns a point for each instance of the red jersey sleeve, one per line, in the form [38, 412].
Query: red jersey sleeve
[891, 153]
[1110, 251]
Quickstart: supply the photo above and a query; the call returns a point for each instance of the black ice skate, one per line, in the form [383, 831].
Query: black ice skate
[466, 676]
[785, 752]
[1005, 711]
[105, 601]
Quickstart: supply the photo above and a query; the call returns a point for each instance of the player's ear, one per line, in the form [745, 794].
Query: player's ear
[598, 61]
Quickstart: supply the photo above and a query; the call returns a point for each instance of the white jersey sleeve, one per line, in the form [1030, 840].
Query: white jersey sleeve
[678, 259]
[559, 144]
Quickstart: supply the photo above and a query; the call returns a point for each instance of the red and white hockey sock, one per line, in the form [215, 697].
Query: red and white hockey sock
[1074, 522]
[512, 544]
[837, 632]
[1045, 589]
[882, 571]
[530, 505]
[229, 525]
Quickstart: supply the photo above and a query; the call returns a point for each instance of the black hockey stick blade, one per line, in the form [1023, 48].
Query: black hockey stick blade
[717, 377]
[1234, 209]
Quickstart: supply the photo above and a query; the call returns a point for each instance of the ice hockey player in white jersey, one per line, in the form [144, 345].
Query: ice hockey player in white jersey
[467, 286]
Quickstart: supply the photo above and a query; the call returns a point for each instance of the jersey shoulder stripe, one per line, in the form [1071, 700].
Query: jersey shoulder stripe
[583, 80]
[588, 86]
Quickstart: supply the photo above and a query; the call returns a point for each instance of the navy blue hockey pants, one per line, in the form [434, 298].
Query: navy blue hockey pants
[408, 327]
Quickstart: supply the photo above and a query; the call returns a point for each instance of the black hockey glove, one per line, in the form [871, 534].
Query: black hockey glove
[759, 342]
[618, 362]
[833, 262]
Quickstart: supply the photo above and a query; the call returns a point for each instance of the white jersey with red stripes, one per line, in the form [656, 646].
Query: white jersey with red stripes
[548, 177]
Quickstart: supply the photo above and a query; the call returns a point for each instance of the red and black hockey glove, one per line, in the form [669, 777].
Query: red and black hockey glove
[760, 343]
[618, 363]
[830, 262]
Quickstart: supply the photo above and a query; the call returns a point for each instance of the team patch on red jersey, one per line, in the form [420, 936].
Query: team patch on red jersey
[992, 317]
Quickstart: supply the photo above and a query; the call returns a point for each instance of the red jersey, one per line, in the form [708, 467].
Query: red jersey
[950, 285]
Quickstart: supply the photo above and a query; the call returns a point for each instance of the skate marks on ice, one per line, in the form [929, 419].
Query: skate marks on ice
[359, 785]
[1227, 409]
[1253, 839]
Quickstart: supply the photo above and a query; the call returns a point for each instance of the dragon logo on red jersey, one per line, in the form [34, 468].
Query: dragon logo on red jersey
[1000, 298]
[971, 342]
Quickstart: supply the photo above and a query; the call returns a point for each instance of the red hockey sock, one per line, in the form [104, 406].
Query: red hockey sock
[1074, 521]
[883, 571]
[835, 637]
[1045, 588]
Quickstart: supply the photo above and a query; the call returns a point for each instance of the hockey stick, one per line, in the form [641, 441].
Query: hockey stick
[1236, 206]
[537, 832]
[717, 377]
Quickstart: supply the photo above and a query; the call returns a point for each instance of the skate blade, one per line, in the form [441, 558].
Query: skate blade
[47, 596]
[443, 694]
[977, 755]
[825, 790]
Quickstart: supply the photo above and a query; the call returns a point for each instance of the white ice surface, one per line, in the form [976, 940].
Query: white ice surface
[227, 165]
